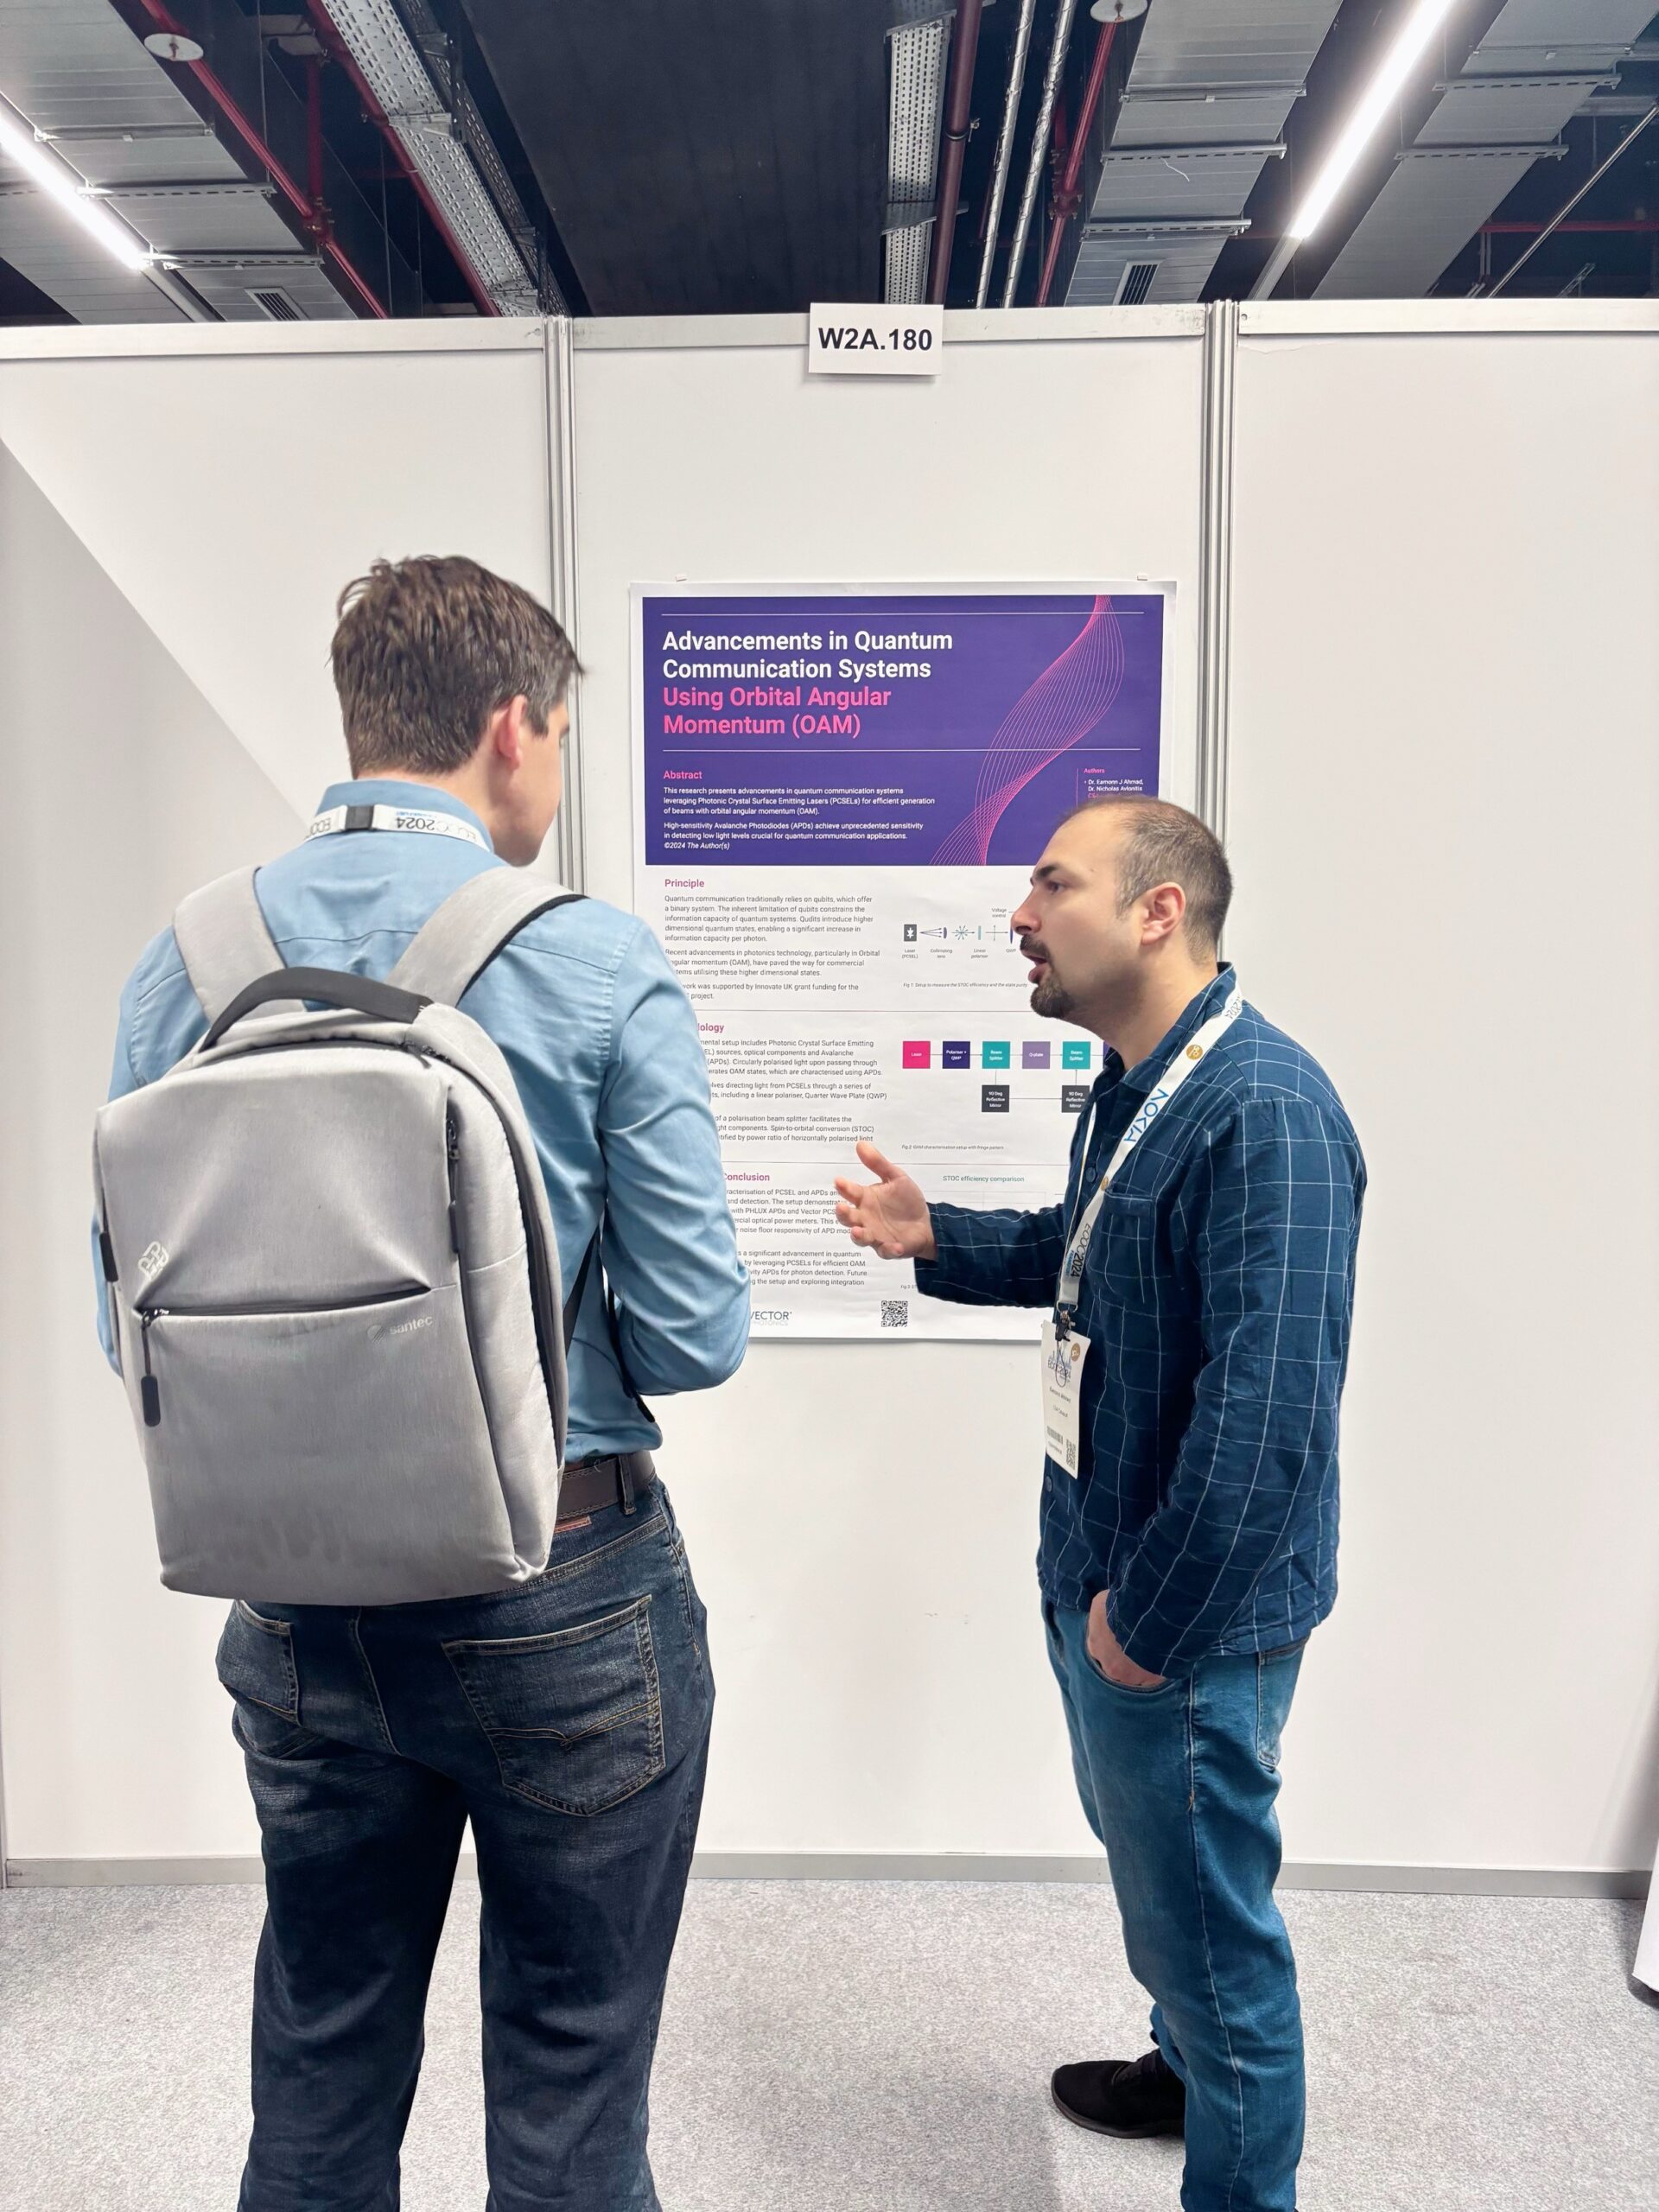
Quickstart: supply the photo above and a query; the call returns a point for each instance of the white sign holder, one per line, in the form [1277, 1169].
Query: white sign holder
[861, 341]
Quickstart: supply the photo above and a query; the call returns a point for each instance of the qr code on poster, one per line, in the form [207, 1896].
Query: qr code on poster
[895, 1312]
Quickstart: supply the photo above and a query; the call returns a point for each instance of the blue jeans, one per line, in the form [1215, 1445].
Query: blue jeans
[568, 1721]
[1179, 1784]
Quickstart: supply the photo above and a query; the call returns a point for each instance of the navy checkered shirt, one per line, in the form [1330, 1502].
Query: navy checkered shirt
[1216, 1296]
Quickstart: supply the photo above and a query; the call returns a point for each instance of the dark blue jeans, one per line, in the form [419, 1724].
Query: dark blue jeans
[568, 1721]
[1179, 1784]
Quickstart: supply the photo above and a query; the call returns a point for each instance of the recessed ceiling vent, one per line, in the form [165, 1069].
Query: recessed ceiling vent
[1135, 284]
[277, 305]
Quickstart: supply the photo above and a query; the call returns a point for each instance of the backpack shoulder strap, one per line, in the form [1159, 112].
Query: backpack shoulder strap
[459, 940]
[224, 941]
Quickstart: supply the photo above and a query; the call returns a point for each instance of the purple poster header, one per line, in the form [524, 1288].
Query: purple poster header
[920, 729]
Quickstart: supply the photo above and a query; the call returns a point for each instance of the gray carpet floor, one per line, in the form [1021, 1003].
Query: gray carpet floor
[842, 2047]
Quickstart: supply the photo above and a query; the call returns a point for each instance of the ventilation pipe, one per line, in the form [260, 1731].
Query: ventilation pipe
[1065, 199]
[1005, 145]
[1057, 54]
[958, 116]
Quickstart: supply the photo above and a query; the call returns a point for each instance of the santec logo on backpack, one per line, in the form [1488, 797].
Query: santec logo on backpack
[333, 1283]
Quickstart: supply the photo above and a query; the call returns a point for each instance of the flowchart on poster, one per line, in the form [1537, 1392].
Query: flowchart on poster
[840, 796]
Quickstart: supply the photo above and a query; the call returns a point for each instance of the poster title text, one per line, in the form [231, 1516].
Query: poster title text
[797, 652]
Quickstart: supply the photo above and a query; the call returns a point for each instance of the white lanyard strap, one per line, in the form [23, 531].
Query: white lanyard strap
[417, 819]
[1184, 1062]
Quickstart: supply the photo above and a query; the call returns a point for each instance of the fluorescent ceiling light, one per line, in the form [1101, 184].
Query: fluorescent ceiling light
[1379, 96]
[19, 144]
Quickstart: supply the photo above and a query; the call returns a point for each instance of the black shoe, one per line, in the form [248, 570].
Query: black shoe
[1122, 2096]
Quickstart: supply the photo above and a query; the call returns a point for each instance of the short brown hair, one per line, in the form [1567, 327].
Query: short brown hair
[1166, 844]
[427, 649]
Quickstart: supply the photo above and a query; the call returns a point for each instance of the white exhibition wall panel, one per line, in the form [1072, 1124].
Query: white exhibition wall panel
[1443, 817]
[862, 1517]
[230, 484]
[174, 527]
[1442, 810]
[128, 788]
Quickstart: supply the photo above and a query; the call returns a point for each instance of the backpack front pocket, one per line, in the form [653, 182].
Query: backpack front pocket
[327, 1455]
[150, 1317]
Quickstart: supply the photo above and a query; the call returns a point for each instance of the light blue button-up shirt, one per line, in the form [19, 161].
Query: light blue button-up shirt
[603, 1046]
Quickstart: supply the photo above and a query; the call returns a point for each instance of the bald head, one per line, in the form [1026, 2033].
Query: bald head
[1152, 843]
[1124, 913]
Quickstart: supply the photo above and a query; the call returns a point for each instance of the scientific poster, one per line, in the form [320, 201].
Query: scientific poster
[840, 793]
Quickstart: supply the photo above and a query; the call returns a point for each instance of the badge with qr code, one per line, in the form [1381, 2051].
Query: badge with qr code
[1064, 1360]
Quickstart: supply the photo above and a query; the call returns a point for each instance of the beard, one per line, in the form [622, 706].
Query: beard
[1051, 999]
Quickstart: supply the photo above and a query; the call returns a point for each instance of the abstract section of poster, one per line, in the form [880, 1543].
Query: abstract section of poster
[840, 796]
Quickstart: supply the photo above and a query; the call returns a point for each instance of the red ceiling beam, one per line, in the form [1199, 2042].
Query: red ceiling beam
[958, 120]
[1065, 203]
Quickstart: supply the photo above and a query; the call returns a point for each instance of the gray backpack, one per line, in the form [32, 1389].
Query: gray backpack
[332, 1281]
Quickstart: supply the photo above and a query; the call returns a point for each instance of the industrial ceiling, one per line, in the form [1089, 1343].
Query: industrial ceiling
[322, 159]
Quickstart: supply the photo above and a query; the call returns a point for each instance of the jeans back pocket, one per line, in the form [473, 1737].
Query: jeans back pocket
[257, 1667]
[256, 1661]
[574, 1717]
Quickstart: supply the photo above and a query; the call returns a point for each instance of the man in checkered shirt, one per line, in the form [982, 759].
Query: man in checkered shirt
[1184, 1564]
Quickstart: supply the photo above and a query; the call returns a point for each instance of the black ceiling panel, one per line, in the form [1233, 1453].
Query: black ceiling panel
[708, 158]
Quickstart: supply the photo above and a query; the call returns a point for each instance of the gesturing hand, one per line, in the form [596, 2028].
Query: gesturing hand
[890, 1215]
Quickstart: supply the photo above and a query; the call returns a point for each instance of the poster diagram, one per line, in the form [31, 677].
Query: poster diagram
[840, 796]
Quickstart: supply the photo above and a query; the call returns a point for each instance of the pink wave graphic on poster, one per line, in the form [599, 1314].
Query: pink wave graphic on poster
[1071, 695]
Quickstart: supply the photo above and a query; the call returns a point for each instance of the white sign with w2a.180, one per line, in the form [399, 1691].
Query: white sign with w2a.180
[861, 341]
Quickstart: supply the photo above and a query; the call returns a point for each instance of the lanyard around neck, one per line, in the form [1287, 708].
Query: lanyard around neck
[1185, 1063]
[420, 819]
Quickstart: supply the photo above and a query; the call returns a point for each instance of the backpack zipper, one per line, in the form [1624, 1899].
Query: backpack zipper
[150, 1389]
[544, 1307]
[452, 1155]
[452, 1150]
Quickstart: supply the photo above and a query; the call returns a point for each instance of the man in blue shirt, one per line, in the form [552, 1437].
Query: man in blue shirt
[569, 1719]
[1200, 1280]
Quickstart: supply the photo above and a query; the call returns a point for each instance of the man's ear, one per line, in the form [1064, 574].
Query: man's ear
[1165, 912]
[509, 730]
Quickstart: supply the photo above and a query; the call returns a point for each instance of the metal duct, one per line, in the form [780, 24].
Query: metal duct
[1538, 64]
[1203, 109]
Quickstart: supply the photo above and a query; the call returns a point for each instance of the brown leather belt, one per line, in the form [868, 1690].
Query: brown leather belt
[589, 1486]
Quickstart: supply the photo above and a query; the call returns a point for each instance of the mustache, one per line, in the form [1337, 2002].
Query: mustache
[1032, 948]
